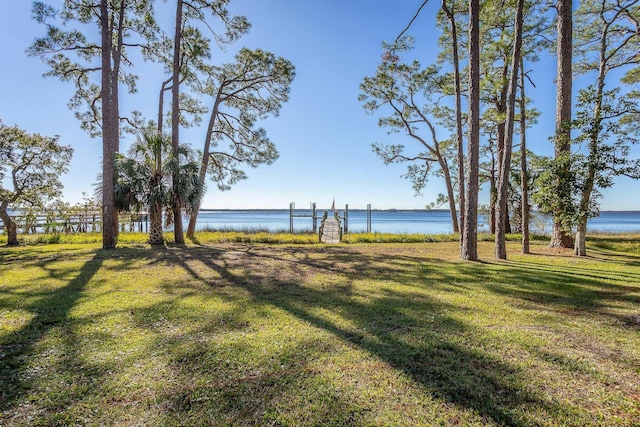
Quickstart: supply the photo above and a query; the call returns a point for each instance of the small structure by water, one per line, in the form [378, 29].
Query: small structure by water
[330, 229]
[315, 218]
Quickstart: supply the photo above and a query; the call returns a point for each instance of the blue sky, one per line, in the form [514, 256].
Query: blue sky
[323, 135]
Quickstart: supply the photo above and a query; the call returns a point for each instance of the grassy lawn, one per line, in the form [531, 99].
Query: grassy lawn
[352, 334]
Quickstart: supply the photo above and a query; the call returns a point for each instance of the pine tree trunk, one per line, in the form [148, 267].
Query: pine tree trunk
[175, 119]
[109, 134]
[524, 181]
[450, 194]
[493, 196]
[163, 89]
[458, 105]
[191, 229]
[594, 137]
[469, 249]
[502, 217]
[559, 237]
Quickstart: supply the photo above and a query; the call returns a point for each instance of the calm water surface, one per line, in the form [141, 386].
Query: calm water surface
[394, 221]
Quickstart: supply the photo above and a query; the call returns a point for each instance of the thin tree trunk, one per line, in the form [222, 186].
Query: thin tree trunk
[470, 234]
[580, 248]
[445, 170]
[563, 107]
[191, 229]
[450, 195]
[109, 134]
[175, 119]
[501, 108]
[158, 156]
[163, 89]
[581, 239]
[493, 197]
[115, 74]
[505, 164]
[524, 179]
[458, 104]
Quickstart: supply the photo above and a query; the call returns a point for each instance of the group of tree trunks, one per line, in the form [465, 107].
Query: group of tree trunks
[252, 88]
[608, 39]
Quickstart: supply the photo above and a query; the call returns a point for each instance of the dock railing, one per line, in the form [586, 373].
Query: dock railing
[85, 222]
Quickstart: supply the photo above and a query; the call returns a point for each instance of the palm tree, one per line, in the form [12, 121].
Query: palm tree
[145, 179]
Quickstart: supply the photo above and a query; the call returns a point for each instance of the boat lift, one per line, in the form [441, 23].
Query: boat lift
[344, 217]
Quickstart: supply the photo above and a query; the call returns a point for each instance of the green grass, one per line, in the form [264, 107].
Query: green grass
[245, 333]
[249, 236]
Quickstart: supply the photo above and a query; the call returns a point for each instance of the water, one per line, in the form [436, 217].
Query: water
[392, 221]
[615, 222]
[411, 221]
[389, 221]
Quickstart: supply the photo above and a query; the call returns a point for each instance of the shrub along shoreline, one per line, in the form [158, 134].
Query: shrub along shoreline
[249, 236]
[626, 242]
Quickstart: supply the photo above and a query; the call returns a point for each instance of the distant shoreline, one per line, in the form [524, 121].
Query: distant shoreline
[362, 210]
[323, 209]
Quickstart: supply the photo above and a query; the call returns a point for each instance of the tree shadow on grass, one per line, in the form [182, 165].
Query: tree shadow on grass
[609, 255]
[569, 287]
[49, 311]
[399, 321]
[215, 389]
[416, 335]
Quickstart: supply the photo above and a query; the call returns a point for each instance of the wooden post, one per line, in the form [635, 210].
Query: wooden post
[346, 218]
[292, 207]
[369, 218]
[313, 218]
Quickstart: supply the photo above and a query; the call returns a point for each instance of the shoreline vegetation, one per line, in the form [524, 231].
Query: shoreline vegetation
[230, 235]
[224, 331]
[305, 237]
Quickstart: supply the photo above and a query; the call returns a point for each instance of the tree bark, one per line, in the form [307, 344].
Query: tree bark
[581, 240]
[502, 213]
[452, 200]
[580, 248]
[9, 225]
[163, 89]
[191, 229]
[524, 180]
[115, 74]
[450, 195]
[175, 119]
[155, 225]
[563, 106]
[493, 197]
[116, 56]
[501, 108]
[109, 133]
[469, 249]
[458, 104]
